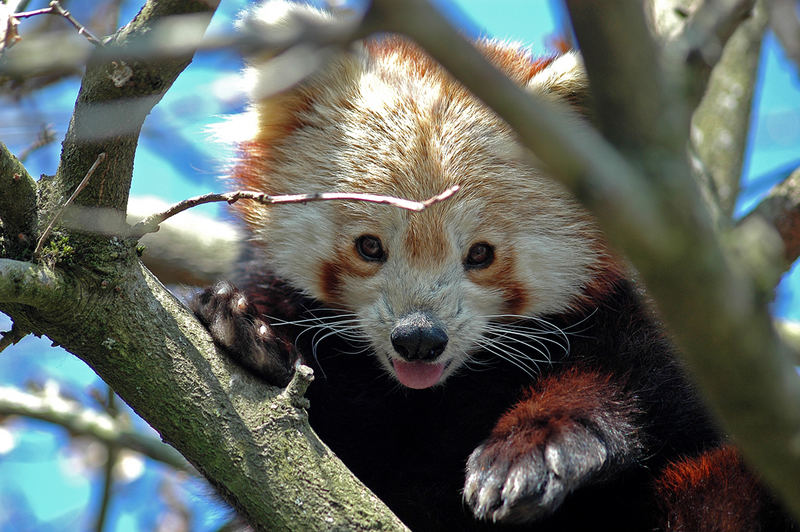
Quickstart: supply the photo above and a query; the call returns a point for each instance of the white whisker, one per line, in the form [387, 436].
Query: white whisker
[488, 346]
[520, 336]
[527, 341]
[497, 339]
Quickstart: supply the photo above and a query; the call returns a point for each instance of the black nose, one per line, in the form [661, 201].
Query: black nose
[418, 337]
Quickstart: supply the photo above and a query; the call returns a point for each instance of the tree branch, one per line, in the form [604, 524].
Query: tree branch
[32, 285]
[144, 82]
[83, 421]
[720, 123]
[781, 210]
[700, 44]
[150, 224]
[17, 205]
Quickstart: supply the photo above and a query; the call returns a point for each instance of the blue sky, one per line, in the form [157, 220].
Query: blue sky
[40, 487]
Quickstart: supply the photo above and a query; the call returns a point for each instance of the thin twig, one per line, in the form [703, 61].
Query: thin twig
[56, 9]
[46, 136]
[80, 27]
[151, 223]
[112, 454]
[35, 12]
[81, 185]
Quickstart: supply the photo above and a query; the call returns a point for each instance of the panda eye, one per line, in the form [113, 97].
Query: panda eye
[480, 255]
[370, 248]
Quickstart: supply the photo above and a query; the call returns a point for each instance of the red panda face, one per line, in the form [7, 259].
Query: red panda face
[424, 289]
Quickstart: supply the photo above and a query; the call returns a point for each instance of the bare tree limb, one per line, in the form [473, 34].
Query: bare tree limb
[785, 21]
[17, 204]
[57, 9]
[781, 210]
[33, 285]
[703, 38]
[80, 420]
[720, 123]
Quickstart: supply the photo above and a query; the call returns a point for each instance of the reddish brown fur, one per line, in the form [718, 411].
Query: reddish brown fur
[330, 281]
[344, 264]
[279, 116]
[712, 492]
[254, 160]
[501, 275]
[562, 399]
[425, 240]
[517, 65]
[607, 272]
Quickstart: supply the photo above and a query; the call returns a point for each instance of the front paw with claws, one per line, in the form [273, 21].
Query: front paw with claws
[527, 474]
[235, 326]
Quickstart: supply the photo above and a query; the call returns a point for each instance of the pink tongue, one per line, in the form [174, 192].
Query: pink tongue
[418, 375]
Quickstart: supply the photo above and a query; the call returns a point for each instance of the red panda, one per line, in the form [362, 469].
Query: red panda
[488, 361]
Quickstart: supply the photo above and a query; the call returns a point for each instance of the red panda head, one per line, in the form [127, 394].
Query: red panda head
[425, 287]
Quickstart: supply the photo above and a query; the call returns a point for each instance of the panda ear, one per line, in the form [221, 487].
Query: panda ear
[565, 80]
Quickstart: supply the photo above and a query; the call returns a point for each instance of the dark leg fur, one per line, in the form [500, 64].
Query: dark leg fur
[568, 431]
[233, 323]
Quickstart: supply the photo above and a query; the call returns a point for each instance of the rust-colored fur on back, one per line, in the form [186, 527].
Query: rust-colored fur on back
[713, 491]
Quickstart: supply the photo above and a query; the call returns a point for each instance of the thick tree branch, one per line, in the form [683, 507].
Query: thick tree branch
[700, 44]
[241, 434]
[17, 204]
[720, 124]
[107, 83]
[627, 121]
[33, 285]
[723, 328]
